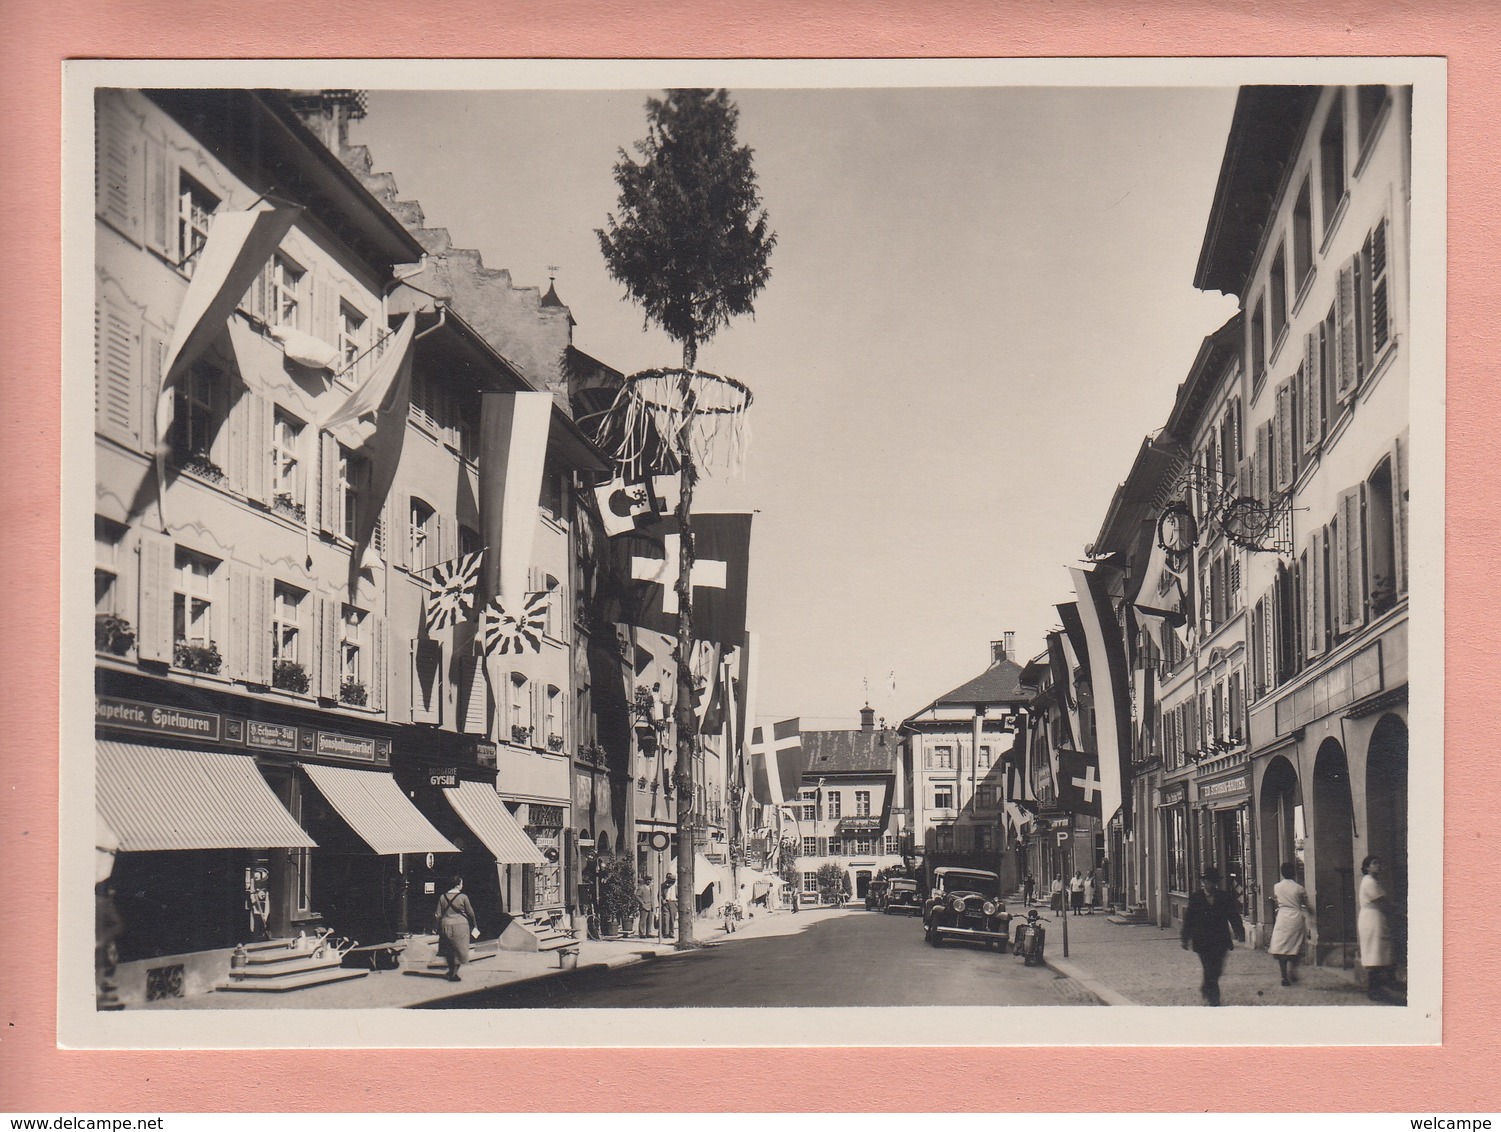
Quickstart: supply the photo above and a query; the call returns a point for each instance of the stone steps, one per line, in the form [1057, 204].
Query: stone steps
[283, 981]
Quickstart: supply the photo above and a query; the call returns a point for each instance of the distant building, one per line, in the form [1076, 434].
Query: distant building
[850, 811]
[952, 753]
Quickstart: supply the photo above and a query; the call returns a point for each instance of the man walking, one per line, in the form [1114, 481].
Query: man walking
[1029, 885]
[1212, 918]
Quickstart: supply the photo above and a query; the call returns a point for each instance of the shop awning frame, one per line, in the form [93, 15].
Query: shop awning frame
[374, 806]
[481, 809]
[159, 799]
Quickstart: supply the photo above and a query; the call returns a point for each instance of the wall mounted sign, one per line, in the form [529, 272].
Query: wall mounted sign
[443, 776]
[133, 715]
[1238, 784]
[1174, 794]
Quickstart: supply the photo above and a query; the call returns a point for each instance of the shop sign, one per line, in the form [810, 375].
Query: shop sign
[443, 776]
[859, 825]
[1174, 794]
[354, 747]
[1224, 787]
[271, 736]
[544, 817]
[1052, 821]
[136, 716]
[486, 754]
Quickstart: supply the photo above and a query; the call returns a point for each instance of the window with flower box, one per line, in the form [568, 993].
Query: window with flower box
[862, 803]
[287, 495]
[197, 416]
[289, 664]
[353, 663]
[193, 607]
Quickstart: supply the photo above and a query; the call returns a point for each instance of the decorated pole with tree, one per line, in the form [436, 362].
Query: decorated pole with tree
[691, 245]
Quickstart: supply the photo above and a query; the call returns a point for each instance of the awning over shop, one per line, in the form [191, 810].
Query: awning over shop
[706, 872]
[484, 812]
[158, 798]
[377, 810]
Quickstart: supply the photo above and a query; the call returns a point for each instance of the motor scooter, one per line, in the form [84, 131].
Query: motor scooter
[1030, 939]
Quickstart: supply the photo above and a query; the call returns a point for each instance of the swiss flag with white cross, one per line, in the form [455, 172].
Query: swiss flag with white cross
[721, 570]
[1079, 789]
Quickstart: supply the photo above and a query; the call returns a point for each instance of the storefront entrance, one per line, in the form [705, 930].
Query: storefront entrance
[1333, 856]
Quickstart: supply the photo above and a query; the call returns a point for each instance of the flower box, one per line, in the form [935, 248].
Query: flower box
[353, 692]
[113, 634]
[197, 658]
[284, 504]
[521, 735]
[555, 743]
[198, 464]
[289, 676]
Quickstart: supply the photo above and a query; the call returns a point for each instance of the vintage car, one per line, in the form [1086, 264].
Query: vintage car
[875, 895]
[902, 896]
[966, 904]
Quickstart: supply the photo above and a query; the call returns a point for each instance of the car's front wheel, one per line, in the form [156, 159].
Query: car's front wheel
[933, 937]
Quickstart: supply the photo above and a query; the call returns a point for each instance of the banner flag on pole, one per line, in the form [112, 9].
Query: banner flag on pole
[512, 450]
[389, 385]
[1079, 788]
[1073, 628]
[625, 507]
[777, 766]
[238, 247]
[452, 597]
[1110, 681]
[721, 572]
[506, 630]
[1062, 683]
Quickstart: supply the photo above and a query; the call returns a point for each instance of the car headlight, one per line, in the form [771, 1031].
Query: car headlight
[958, 904]
[989, 908]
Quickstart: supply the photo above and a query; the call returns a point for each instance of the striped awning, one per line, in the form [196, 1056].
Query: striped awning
[706, 872]
[377, 810]
[484, 812]
[159, 798]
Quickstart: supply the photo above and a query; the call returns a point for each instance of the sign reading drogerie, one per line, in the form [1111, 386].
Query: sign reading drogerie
[133, 715]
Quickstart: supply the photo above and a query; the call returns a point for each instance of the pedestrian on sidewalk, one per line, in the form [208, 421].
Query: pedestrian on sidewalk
[1029, 886]
[1290, 928]
[453, 920]
[1057, 896]
[1076, 893]
[1212, 918]
[669, 906]
[646, 905]
[1089, 891]
[1374, 929]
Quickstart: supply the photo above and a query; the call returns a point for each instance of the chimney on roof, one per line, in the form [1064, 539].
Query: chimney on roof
[1003, 649]
[867, 718]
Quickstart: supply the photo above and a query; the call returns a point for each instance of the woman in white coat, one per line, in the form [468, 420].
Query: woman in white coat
[1290, 929]
[1373, 924]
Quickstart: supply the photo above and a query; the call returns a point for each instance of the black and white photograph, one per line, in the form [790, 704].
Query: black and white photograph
[656, 553]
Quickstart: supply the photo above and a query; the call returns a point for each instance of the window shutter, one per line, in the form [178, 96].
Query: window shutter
[161, 201]
[258, 628]
[823, 847]
[1380, 306]
[328, 648]
[1285, 461]
[448, 538]
[473, 707]
[401, 545]
[154, 618]
[117, 382]
[330, 499]
[378, 667]
[1348, 562]
[237, 658]
[117, 165]
[1308, 563]
[1399, 506]
[1313, 403]
[1269, 639]
[1347, 377]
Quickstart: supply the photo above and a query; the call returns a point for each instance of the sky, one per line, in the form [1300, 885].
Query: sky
[980, 301]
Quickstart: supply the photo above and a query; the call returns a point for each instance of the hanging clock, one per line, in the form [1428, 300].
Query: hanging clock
[1177, 530]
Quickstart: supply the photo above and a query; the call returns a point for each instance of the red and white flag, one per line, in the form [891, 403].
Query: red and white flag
[721, 572]
[777, 766]
[1110, 682]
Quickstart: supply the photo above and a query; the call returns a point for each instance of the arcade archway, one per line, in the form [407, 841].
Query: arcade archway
[1386, 817]
[1333, 854]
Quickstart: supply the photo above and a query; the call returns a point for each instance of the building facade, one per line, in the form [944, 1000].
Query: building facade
[953, 752]
[850, 811]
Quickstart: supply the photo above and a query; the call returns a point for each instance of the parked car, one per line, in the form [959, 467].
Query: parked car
[875, 895]
[902, 896]
[966, 904]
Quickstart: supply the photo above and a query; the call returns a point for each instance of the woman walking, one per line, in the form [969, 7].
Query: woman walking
[1290, 929]
[454, 920]
[1374, 929]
